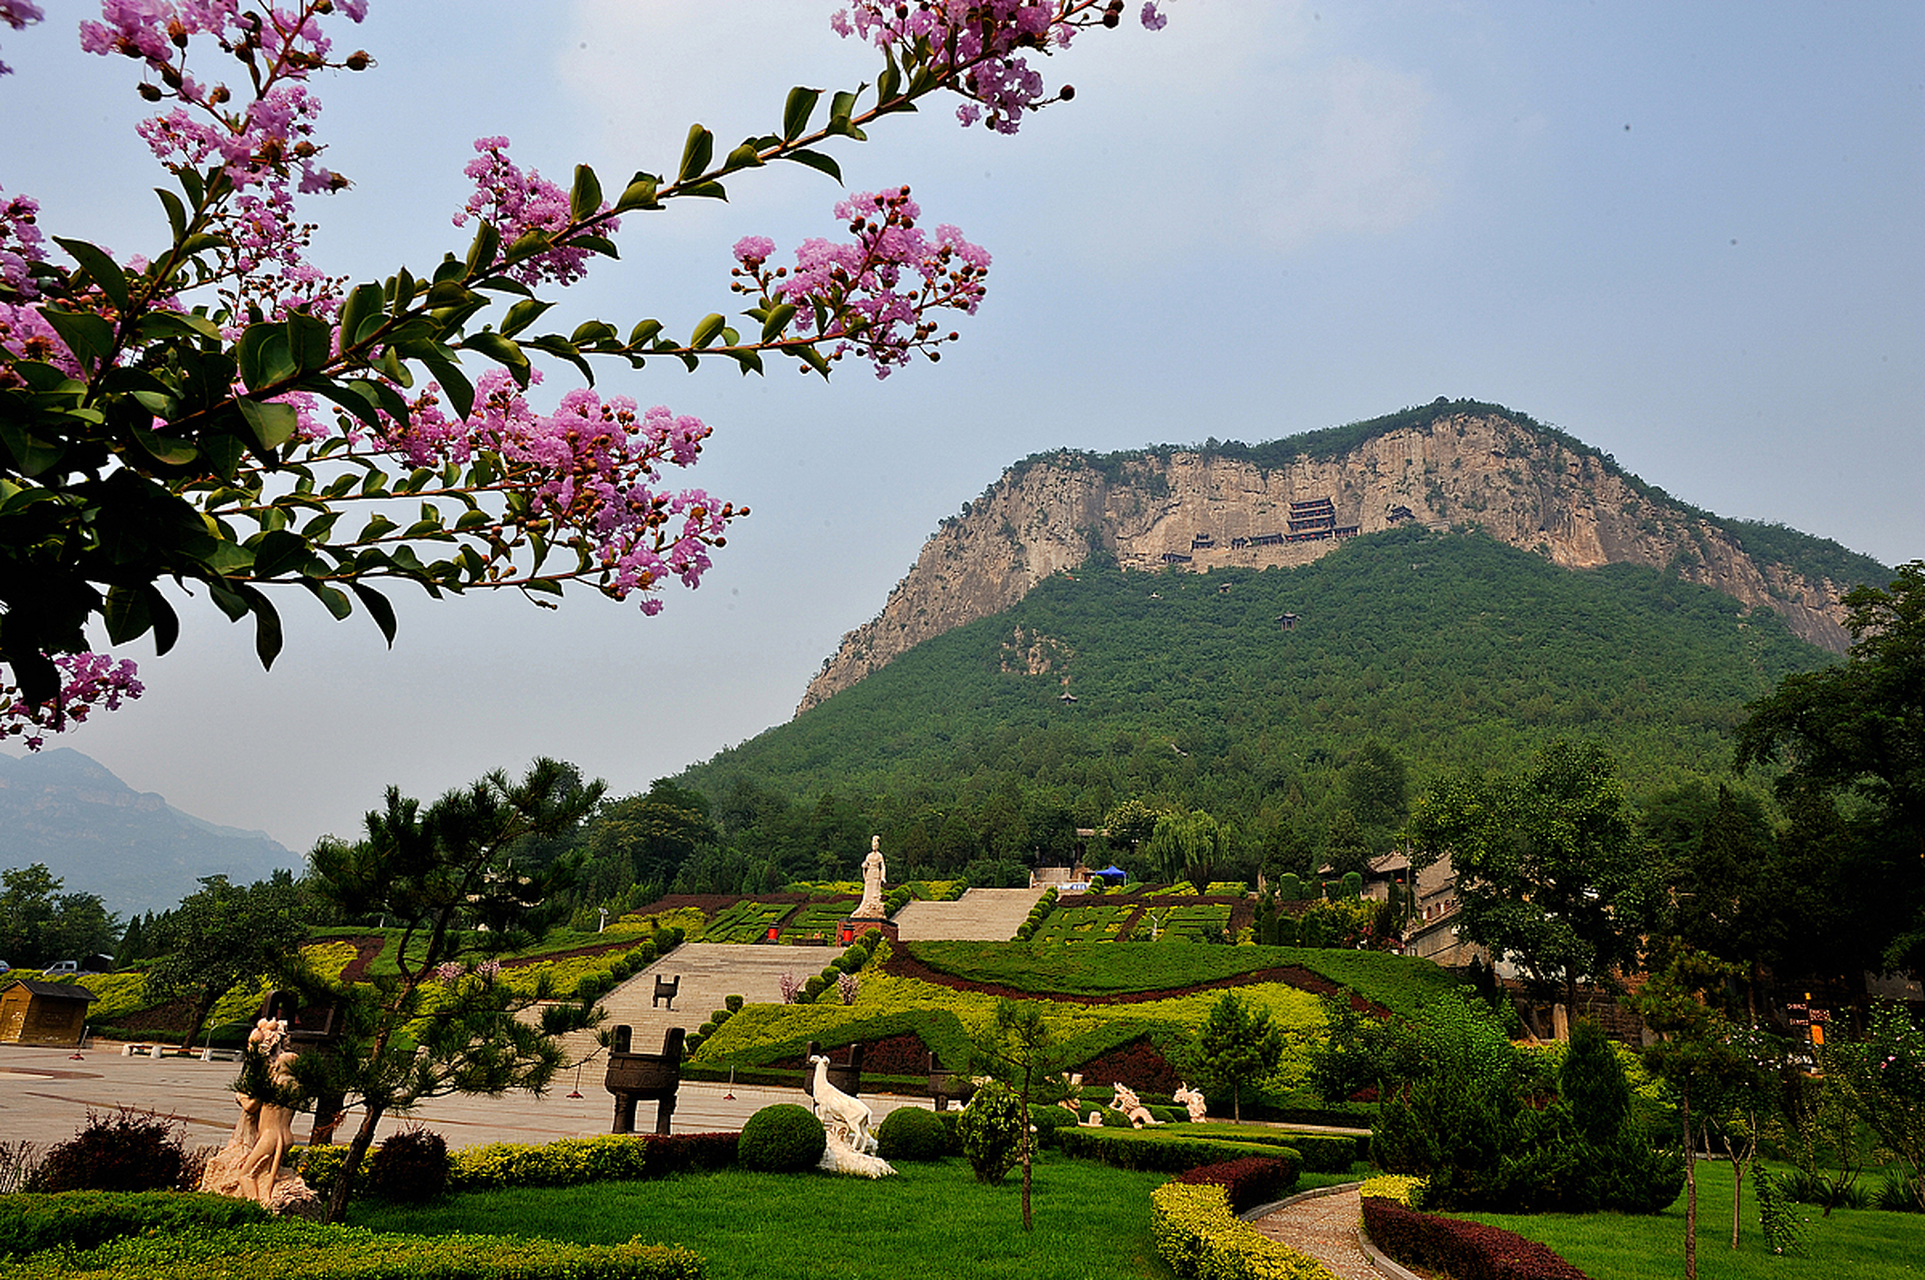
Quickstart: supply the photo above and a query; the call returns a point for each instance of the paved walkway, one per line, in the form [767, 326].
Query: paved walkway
[980, 915]
[1325, 1227]
[45, 1096]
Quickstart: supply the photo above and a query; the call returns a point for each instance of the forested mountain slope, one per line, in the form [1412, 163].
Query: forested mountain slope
[1291, 502]
[1453, 649]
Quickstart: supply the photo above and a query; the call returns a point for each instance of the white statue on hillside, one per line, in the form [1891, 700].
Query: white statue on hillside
[1192, 1099]
[870, 908]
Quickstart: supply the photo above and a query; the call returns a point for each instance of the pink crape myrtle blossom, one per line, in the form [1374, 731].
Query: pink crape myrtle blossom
[516, 203]
[591, 469]
[18, 14]
[25, 334]
[90, 680]
[20, 244]
[984, 43]
[875, 292]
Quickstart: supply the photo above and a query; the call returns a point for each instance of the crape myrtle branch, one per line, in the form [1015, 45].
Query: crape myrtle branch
[148, 436]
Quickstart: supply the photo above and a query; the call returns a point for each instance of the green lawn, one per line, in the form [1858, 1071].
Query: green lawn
[930, 1220]
[1849, 1245]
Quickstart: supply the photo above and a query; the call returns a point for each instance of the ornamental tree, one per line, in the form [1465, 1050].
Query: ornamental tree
[220, 936]
[1235, 1048]
[447, 877]
[221, 414]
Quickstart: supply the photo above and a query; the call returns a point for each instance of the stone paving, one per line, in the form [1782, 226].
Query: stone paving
[1325, 1227]
[980, 915]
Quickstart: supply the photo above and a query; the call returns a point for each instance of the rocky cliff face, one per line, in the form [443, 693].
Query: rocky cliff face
[1197, 511]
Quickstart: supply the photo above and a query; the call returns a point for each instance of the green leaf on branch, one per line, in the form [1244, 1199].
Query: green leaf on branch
[544, 586]
[556, 345]
[696, 153]
[361, 315]
[706, 331]
[528, 244]
[639, 194]
[816, 160]
[778, 320]
[377, 527]
[310, 342]
[171, 453]
[481, 253]
[586, 198]
[796, 112]
[707, 190]
[644, 332]
[171, 324]
[31, 455]
[134, 611]
[103, 270]
[267, 627]
[278, 553]
[272, 424]
[594, 244]
[523, 314]
[176, 211]
[265, 357]
[334, 598]
[746, 156]
[503, 351]
[592, 331]
[814, 359]
[352, 396]
[378, 608]
[90, 338]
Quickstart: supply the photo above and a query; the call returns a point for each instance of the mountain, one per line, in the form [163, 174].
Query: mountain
[1451, 464]
[99, 835]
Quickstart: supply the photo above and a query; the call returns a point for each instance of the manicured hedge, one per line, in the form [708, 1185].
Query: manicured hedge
[611, 1157]
[1248, 1182]
[85, 1219]
[1405, 1189]
[1321, 1152]
[1165, 1153]
[310, 1251]
[1467, 1250]
[1200, 1238]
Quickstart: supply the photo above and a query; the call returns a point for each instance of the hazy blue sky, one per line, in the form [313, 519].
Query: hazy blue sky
[1688, 234]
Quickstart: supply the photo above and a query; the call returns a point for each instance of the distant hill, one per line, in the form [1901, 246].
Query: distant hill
[1244, 691]
[1451, 464]
[101, 836]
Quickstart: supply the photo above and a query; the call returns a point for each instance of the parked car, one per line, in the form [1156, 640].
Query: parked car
[68, 967]
[4, 966]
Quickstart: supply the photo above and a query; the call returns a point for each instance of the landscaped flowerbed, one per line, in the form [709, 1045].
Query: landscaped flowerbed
[1073, 921]
[746, 921]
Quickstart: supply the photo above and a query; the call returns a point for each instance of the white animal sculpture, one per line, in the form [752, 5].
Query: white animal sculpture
[1192, 1099]
[1073, 1093]
[1130, 1105]
[833, 1106]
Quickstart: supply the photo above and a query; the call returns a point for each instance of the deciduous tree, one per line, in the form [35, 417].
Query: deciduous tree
[220, 936]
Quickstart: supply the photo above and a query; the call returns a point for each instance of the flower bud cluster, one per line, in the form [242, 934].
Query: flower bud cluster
[91, 680]
[980, 45]
[856, 291]
[19, 244]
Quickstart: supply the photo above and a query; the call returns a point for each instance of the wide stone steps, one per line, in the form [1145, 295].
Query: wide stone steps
[980, 915]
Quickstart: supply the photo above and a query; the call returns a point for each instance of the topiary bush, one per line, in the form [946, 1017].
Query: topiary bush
[119, 1152]
[910, 1133]
[1047, 1120]
[992, 1127]
[784, 1138]
[410, 1167]
[733, 1003]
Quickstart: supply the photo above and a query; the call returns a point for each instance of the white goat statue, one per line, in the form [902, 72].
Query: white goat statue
[1193, 1099]
[832, 1105]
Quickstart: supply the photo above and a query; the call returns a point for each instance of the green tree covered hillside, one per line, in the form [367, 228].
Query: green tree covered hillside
[1436, 651]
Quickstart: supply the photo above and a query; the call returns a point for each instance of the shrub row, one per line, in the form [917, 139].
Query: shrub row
[1321, 1152]
[30, 1222]
[1166, 1153]
[1401, 1187]
[310, 1251]
[1198, 1236]
[1037, 914]
[1248, 1182]
[1466, 1250]
[611, 1157]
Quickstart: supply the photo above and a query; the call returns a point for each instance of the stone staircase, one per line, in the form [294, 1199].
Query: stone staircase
[710, 973]
[980, 915]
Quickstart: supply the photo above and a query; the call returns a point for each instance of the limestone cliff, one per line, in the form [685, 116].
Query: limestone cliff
[1458, 465]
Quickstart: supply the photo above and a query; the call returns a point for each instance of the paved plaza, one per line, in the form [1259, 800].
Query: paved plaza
[45, 1096]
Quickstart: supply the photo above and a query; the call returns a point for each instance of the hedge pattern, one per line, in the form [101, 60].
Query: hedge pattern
[1147, 1150]
[1321, 1152]
[570, 1161]
[310, 1251]
[30, 1222]
[1200, 1238]
[1405, 1189]
[1466, 1250]
[1249, 1182]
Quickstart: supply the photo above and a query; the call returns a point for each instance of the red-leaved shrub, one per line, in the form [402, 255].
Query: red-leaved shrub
[1248, 1182]
[1465, 1250]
